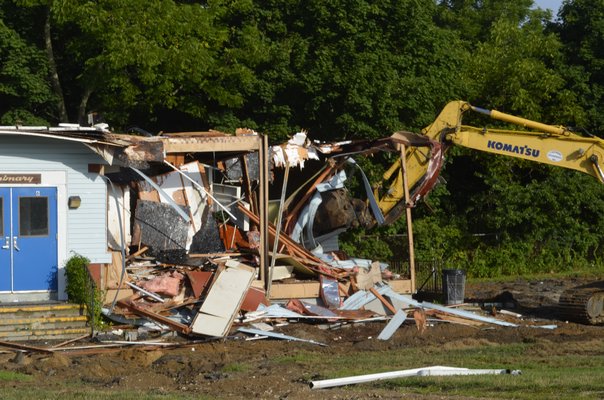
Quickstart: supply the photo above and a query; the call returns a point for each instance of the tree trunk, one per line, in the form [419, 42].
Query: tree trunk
[82, 117]
[54, 75]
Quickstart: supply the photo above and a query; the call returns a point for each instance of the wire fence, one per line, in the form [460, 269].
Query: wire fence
[428, 275]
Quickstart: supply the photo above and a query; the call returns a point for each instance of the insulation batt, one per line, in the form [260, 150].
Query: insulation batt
[167, 284]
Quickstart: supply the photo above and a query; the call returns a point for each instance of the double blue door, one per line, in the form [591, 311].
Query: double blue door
[28, 228]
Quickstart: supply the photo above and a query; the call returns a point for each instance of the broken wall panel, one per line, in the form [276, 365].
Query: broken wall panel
[112, 275]
[196, 198]
[253, 299]
[161, 228]
[235, 168]
[223, 301]
[228, 196]
[232, 238]
[182, 191]
[207, 239]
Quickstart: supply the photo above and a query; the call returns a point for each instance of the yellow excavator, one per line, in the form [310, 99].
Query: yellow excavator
[534, 141]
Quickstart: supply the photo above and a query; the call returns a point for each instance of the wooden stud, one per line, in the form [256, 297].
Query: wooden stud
[408, 214]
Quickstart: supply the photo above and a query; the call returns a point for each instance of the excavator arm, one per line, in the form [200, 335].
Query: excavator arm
[534, 141]
[546, 144]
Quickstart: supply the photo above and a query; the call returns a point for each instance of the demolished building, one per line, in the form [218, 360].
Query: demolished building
[203, 221]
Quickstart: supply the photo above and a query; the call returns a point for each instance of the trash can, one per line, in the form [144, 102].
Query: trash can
[454, 283]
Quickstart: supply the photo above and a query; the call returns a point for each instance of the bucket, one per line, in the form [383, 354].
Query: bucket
[454, 282]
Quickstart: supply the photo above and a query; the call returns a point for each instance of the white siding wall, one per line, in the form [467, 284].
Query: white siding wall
[86, 230]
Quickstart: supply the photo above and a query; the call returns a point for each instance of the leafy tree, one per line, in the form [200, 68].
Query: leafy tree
[159, 54]
[135, 59]
[474, 19]
[502, 208]
[351, 69]
[581, 29]
[24, 91]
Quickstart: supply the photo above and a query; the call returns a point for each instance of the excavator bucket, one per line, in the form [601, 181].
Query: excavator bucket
[425, 159]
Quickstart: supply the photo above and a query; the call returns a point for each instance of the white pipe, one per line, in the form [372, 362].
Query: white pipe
[430, 372]
[165, 195]
[145, 292]
[427, 371]
[202, 189]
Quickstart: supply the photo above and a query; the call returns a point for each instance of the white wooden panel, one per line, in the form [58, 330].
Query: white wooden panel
[120, 200]
[196, 197]
[223, 301]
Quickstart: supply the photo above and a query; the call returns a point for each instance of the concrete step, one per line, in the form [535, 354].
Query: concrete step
[43, 334]
[48, 323]
[40, 310]
[21, 322]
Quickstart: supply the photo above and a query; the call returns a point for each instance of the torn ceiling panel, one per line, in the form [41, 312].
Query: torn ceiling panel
[130, 151]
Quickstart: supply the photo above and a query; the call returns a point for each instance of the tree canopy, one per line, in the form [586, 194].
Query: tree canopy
[341, 69]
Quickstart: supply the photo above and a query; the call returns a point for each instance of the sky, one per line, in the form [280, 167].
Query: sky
[553, 5]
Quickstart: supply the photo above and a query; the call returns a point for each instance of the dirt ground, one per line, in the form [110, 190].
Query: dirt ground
[211, 369]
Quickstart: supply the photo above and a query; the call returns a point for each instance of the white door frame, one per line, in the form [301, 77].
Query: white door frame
[57, 179]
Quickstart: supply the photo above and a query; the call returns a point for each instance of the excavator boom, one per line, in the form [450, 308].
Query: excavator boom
[533, 141]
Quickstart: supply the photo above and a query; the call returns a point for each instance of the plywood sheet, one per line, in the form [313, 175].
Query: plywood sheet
[223, 301]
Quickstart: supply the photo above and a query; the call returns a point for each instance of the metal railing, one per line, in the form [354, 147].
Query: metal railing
[428, 274]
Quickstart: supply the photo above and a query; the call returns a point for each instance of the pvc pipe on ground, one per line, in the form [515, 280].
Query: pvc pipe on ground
[427, 371]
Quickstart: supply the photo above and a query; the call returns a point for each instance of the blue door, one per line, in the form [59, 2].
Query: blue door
[5, 247]
[30, 239]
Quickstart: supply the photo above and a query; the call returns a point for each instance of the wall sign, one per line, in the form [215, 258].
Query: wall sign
[20, 178]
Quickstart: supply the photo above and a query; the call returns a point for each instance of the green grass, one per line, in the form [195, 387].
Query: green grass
[87, 394]
[236, 367]
[596, 273]
[532, 384]
[545, 375]
[14, 376]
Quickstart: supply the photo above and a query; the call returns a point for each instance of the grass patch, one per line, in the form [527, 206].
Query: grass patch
[595, 273]
[86, 394]
[11, 376]
[235, 367]
[545, 373]
[543, 383]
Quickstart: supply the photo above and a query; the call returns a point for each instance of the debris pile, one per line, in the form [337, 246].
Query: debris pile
[200, 247]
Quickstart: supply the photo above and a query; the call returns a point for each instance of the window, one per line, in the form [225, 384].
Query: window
[33, 216]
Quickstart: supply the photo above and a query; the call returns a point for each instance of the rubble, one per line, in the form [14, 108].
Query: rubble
[206, 246]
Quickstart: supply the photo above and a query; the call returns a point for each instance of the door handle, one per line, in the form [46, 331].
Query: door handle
[15, 244]
[6, 243]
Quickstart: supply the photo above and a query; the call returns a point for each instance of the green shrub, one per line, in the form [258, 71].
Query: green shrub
[77, 279]
[81, 289]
